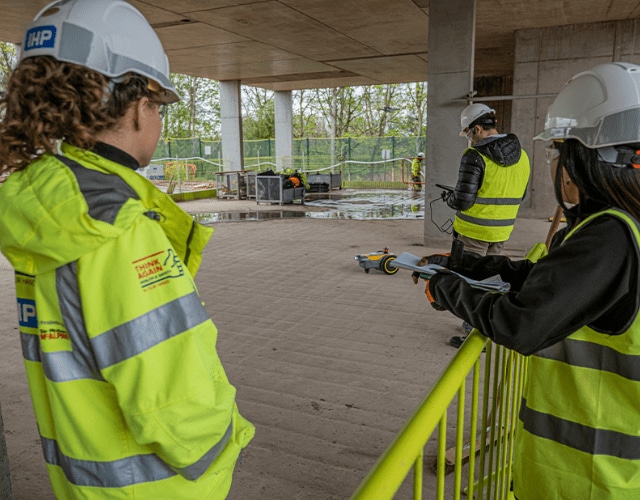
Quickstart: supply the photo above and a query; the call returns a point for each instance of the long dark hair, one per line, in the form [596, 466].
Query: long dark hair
[597, 180]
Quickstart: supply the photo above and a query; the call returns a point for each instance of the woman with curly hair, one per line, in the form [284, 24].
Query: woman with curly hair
[130, 396]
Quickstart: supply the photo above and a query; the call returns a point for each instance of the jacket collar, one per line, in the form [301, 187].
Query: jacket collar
[116, 155]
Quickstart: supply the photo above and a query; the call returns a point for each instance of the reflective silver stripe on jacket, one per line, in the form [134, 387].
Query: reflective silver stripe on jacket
[196, 470]
[498, 201]
[61, 366]
[148, 330]
[485, 222]
[30, 346]
[115, 474]
[126, 471]
[578, 436]
[598, 357]
[123, 342]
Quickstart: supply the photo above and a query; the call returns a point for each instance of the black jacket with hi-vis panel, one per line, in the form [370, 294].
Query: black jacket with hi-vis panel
[588, 279]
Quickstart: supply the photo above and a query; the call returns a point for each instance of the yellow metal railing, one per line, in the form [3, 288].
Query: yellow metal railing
[480, 460]
[484, 461]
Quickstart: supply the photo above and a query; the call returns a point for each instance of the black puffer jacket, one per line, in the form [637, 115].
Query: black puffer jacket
[591, 279]
[505, 150]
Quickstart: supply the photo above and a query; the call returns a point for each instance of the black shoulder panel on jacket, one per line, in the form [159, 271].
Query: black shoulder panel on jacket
[104, 193]
[470, 178]
[504, 151]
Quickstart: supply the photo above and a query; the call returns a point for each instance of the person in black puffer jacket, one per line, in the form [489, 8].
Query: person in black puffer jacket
[492, 181]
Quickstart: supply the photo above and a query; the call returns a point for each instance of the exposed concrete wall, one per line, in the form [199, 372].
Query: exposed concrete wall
[544, 60]
[450, 77]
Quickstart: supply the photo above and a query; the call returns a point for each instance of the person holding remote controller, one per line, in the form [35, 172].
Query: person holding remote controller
[492, 181]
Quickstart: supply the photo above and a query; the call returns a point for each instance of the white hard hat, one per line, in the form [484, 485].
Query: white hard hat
[420, 155]
[599, 107]
[108, 36]
[471, 113]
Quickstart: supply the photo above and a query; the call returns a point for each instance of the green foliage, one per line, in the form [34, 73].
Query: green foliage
[8, 59]
[198, 112]
[258, 121]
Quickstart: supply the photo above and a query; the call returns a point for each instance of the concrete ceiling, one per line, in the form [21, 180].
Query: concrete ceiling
[295, 44]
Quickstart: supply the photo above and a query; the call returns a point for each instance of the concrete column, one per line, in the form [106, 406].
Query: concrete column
[284, 130]
[450, 77]
[231, 125]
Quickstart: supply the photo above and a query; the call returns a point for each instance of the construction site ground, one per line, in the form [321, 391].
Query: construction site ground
[329, 361]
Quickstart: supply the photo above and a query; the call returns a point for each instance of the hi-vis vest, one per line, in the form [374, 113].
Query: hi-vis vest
[578, 436]
[130, 397]
[415, 167]
[493, 215]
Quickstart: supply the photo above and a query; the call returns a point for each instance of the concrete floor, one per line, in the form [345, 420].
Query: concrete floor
[329, 362]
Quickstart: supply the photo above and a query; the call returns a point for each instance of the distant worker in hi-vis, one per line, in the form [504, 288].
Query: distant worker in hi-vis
[129, 394]
[416, 172]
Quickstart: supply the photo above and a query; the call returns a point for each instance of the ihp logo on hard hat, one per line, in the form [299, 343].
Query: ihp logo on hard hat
[41, 37]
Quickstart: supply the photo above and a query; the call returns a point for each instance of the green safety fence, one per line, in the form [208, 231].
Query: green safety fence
[392, 174]
[372, 159]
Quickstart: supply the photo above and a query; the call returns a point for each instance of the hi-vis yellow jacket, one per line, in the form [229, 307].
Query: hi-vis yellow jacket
[578, 434]
[493, 215]
[130, 396]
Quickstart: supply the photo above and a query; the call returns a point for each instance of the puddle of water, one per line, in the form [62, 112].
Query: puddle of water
[356, 205]
[210, 218]
[368, 205]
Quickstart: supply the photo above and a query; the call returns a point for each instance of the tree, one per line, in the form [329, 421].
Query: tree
[339, 107]
[8, 59]
[198, 112]
[306, 120]
[259, 118]
[415, 102]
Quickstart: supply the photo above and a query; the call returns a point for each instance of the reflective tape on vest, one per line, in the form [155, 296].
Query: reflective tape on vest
[126, 471]
[498, 201]
[596, 356]
[485, 222]
[580, 437]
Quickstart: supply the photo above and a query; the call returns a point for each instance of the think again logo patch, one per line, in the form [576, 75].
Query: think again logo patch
[156, 269]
